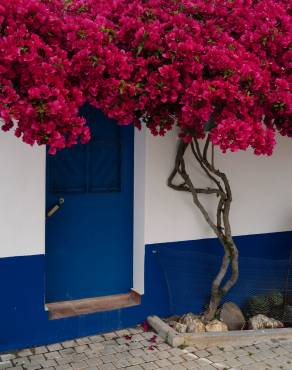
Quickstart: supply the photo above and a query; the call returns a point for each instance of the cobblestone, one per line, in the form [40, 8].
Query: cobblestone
[132, 349]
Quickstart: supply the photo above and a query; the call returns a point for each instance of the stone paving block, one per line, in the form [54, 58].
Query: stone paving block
[107, 367]
[135, 360]
[219, 366]
[147, 343]
[204, 365]
[189, 356]
[175, 351]
[83, 340]
[204, 361]
[49, 363]
[176, 360]
[109, 336]
[192, 365]
[256, 366]
[90, 353]
[122, 332]
[163, 354]
[122, 340]
[39, 350]
[137, 337]
[24, 353]
[245, 360]
[82, 348]
[77, 357]
[149, 357]
[54, 347]
[137, 352]
[150, 334]
[63, 367]
[67, 351]
[79, 365]
[69, 343]
[202, 353]
[121, 348]
[5, 364]
[33, 367]
[109, 349]
[216, 358]
[280, 351]
[149, 366]
[117, 351]
[233, 362]
[37, 359]
[99, 346]
[121, 363]
[136, 330]
[94, 362]
[107, 358]
[96, 338]
[7, 357]
[135, 345]
[64, 360]
[163, 346]
[21, 361]
[285, 359]
[163, 363]
[135, 367]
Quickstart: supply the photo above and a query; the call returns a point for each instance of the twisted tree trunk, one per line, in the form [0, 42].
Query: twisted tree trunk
[221, 226]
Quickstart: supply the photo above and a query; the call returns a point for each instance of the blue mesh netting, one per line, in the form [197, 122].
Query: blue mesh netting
[189, 275]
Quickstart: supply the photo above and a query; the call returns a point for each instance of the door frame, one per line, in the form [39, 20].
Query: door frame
[134, 292]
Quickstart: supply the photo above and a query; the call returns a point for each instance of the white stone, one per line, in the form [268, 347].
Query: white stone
[264, 322]
[216, 326]
[180, 328]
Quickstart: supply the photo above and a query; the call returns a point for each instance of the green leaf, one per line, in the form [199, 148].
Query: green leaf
[210, 124]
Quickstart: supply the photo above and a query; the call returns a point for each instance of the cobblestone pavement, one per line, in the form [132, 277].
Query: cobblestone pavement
[134, 349]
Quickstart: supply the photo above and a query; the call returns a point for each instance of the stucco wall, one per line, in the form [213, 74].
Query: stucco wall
[22, 198]
[262, 190]
[262, 193]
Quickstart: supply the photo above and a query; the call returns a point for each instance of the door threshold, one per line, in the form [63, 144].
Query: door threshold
[60, 310]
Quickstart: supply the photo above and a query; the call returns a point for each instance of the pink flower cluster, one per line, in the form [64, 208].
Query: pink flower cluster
[205, 66]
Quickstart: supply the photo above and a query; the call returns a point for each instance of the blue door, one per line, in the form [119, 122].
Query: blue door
[89, 244]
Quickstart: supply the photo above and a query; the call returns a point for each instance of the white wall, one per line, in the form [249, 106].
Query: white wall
[22, 197]
[262, 193]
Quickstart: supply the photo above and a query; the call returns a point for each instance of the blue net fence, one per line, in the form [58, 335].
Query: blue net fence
[264, 285]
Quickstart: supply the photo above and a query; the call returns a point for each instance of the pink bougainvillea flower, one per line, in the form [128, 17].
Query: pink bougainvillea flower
[220, 67]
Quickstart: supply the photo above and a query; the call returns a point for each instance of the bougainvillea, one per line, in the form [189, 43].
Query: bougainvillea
[219, 66]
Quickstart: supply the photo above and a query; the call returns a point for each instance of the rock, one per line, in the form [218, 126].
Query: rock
[232, 316]
[197, 326]
[193, 323]
[215, 326]
[187, 318]
[180, 328]
[264, 322]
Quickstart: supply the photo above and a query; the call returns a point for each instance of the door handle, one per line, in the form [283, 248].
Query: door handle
[55, 208]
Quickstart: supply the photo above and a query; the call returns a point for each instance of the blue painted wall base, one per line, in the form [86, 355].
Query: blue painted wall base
[175, 282]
